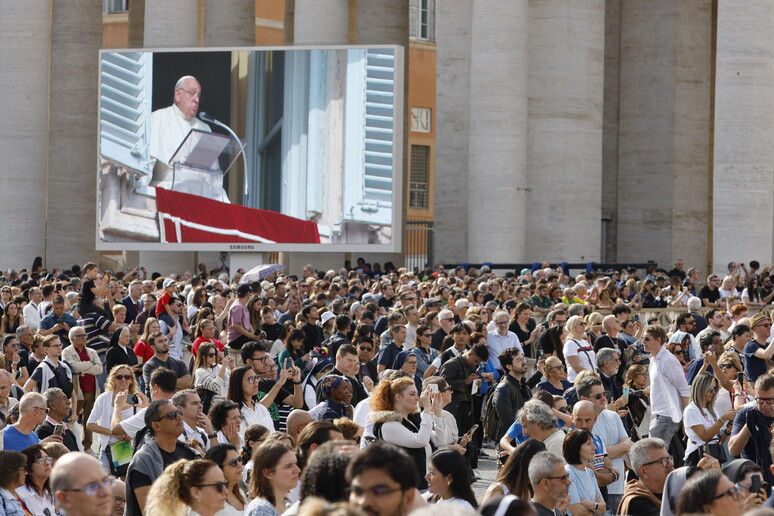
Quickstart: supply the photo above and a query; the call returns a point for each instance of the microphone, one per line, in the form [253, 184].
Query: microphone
[207, 118]
[211, 120]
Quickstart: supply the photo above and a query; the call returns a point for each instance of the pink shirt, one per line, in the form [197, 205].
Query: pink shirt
[240, 315]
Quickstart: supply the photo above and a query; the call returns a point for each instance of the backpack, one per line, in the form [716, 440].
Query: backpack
[492, 418]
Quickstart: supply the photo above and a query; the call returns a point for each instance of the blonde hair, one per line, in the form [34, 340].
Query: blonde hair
[110, 383]
[170, 494]
[585, 374]
[572, 322]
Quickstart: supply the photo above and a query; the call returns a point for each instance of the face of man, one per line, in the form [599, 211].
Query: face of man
[365, 352]
[58, 309]
[717, 320]
[652, 344]
[161, 345]
[259, 362]
[461, 338]
[53, 349]
[135, 291]
[559, 320]
[584, 417]
[762, 330]
[348, 364]
[558, 486]
[519, 365]
[177, 306]
[654, 474]
[447, 322]
[90, 494]
[60, 407]
[166, 424]
[413, 316]
[597, 397]
[193, 407]
[690, 324]
[502, 325]
[36, 295]
[611, 366]
[187, 98]
[375, 493]
[5, 386]
[399, 336]
[765, 401]
[472, 359]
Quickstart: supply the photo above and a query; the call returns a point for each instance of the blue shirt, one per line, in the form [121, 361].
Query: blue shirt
[51, 320]
[753, 366]
[17, 441]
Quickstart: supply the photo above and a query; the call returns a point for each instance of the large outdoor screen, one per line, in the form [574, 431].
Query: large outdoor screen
[255, 149]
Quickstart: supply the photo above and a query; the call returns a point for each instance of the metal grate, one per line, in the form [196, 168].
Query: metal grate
[420, 172]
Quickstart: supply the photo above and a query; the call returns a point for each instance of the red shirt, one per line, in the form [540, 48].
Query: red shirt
[143, 350]
[199, 341]
[162, 302]
[88, 382]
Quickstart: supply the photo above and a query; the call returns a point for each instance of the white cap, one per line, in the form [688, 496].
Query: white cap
[327, 316]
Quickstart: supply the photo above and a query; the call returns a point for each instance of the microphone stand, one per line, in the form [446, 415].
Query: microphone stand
[207, 118]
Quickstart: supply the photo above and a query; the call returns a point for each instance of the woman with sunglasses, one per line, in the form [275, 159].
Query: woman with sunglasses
[556, 377]
[35, 494]
[639, 401]
[732, 394]
[120, 379]
[190, 487]
[710, 492]
[276, 474]
[701, 423]
[678, 345]
[225, 456]
[211, 378]
[577, 351]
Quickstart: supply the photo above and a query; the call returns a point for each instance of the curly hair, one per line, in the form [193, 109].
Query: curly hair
[171, 492]
[324, 477]
[383, 397]
[110, 383]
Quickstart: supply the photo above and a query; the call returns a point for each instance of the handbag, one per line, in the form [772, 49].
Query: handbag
[119, 456]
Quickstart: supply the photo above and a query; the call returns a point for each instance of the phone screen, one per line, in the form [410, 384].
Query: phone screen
[288, 363]
[626, 391]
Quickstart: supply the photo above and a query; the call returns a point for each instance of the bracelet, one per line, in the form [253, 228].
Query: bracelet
[212, 436]
[297, 383]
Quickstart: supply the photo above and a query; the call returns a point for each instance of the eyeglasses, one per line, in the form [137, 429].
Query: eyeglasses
[252, 379]
[376, 491]
[123, 377]
[78, 336]
[713, 389]
[366, 349]
[556, 367]
[171, 415]
[117, 500]
[601, 395]
[93, 488]
[194, 94]
[726, 366]
[264, 358]
[765, 325]
[425, 335]
[764, 485]
[563, 478]
[665, 461]
[733, 492]
[502, 323]
[233, 463]
[44, 460]
[212, 355]
[220, 486]
[42, 408]
[765, 401]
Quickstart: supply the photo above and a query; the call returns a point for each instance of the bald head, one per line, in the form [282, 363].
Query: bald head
[69, 478]
[67, 469]
[610, 323]
[297, 420]
[584, 415]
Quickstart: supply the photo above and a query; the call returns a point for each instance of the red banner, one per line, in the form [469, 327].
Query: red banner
[192, 219]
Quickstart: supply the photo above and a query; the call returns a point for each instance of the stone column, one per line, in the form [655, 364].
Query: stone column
[229, 23]
[498, 131]
[664, 131]
[564, 156]
[318, 22]
[172, 23]
[24, 52]
[76, 37]
[378, 22]
[611, 113]
[743, 179]
[453, 36]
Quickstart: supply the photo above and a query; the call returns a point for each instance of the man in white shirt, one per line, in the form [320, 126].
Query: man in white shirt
[501, 339]
[169, 127]
[669, 391]
[412, 323]
[32, 309]
[196, 425]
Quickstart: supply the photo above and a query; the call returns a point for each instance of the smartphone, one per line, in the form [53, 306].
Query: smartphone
[433, 388]
[712, 348]
[131, 399]
[472, 430]
[288, 363]
[58, 430]
[756, 485]
[626, 391]
[740, 378]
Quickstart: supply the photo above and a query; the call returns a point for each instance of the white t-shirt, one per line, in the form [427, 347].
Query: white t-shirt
[259, 415]
[102, 413]
[585, 353]
[692, 416]
[725, 293]
[611, 430]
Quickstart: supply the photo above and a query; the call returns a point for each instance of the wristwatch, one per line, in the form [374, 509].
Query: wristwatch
[596, 506]
[212, 436]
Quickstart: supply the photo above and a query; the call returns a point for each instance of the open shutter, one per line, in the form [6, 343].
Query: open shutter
[370, 126]
[125, 105]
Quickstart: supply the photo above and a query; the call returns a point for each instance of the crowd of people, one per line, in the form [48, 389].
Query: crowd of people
[362, 391]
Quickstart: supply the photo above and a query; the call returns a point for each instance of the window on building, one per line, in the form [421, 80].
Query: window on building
[115, 6]
[424, 20]
[420, 174]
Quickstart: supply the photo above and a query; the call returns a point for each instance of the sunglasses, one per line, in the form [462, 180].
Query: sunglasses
[220, 486]
[172, 415]
[212, 355]
[123, 377]
[366, 349]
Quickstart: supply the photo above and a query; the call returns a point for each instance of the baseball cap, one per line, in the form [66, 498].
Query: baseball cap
[168, 282]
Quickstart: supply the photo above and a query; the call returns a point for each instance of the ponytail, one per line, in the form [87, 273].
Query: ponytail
[170, 493]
